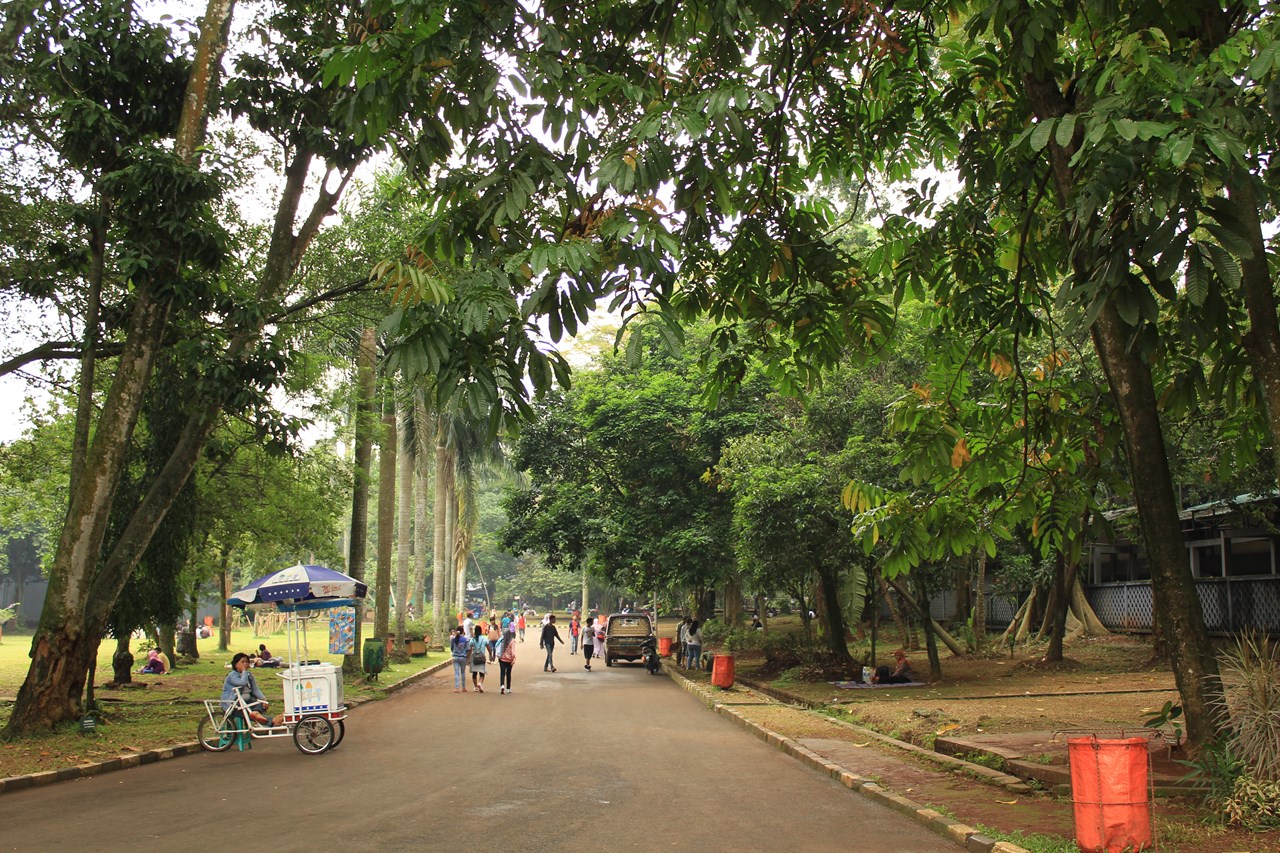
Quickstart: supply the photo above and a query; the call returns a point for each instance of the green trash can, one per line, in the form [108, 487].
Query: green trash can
[375, 655]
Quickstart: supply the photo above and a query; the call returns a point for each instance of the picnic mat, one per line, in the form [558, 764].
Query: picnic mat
[850, 685]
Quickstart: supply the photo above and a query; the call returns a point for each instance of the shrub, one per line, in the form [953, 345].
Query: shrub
[713, 631]
[418, 629]
[1251, 695]
[1253, 804]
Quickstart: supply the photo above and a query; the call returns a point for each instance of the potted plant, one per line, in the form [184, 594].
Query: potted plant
[415, 633]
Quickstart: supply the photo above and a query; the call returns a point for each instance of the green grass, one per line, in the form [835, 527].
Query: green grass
[167, 710]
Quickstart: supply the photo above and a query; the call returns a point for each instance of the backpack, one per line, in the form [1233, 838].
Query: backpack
[477, 653]
[508, 652]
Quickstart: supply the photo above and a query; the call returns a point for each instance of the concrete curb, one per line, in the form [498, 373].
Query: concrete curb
[137, 759]
[962, 834]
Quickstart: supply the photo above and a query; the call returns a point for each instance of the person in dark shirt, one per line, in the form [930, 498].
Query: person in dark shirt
[550, 636]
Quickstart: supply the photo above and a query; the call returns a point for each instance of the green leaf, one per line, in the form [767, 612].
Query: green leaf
[1041, 134]
[1066, 130]
[1180, 148]
[1197, 280]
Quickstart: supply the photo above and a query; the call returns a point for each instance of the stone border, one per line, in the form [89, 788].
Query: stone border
[137, 759]
[962, 834]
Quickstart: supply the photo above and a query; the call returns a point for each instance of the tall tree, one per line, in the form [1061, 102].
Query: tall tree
[365, 421]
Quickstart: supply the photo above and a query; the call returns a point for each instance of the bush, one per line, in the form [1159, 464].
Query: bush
[1253, 804]
[418, 629]
[1251, 695]
[713, 631]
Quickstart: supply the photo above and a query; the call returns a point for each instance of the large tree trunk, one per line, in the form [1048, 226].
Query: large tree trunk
[1083, 611]
[122, 662]
[1194, 667]
[586, 590]
[420, 549]
[980, 602]
[366, 388]
[836, 630]
[440, 559]
[733, 601]
[386, 523]
[908, 639]
[404, 532]
[1064, 577]
[224, 609]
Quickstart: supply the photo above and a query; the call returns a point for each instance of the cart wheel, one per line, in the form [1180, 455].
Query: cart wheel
[209, 737]
[340, 728]
[313, 735]
[608, 661]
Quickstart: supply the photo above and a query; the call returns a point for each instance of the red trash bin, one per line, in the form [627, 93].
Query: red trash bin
[664, 647]
[722, 671]
[1110, 793]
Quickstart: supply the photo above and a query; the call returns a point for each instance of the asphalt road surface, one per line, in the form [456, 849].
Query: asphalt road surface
[612, 759]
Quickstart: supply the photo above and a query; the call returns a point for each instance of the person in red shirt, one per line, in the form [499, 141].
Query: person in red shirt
[574, 630]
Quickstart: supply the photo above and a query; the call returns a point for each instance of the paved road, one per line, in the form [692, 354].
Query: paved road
[613, 759]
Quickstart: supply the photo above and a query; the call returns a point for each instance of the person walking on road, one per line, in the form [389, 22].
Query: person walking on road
[693, 646]
[574, 630]
[480, 654]
[506, 658]
[520, 625]
[682, 632]
[550, 636]
[459, 646]
[588, 641]
[600, 637]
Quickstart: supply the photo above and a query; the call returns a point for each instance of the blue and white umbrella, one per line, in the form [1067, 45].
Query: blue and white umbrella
[299, 584]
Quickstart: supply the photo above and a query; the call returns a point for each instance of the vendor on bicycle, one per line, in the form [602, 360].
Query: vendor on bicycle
[241, 680]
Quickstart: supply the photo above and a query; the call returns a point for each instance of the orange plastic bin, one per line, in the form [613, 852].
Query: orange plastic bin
[722, 671]
[664, 647]
[1110, 793]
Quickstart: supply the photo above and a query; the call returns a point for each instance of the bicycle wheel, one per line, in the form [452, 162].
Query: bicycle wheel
[210, 738]
[340, 728]
[313, 735]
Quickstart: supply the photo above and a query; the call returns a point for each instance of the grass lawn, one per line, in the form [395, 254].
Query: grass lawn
[167, 710]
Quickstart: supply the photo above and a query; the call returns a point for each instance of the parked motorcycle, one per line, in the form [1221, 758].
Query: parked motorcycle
[649, 650]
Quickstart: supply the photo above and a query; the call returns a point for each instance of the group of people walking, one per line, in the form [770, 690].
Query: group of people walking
[476, 644]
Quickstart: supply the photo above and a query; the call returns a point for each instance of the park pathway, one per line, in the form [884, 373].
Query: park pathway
[612, 759]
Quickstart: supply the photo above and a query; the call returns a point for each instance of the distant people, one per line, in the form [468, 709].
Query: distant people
[506, 623]
[588, 641]
[682, 634]
[459, 646]
[467, 623]
[756, 624]
[495, 633]
[204, 632]
[241, 681]
[693, 646]
[480, 655]
[506, 660]
[899, 673]
[520, 625]
[575, 628]
[550, 636]
[265, 659]
[154, 665]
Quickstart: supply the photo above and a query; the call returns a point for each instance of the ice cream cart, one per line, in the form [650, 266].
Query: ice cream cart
[314, 709]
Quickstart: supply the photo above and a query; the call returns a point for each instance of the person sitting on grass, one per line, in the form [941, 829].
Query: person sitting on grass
[240, 680]
[900, 673]
[154, 665]
[265, 658]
